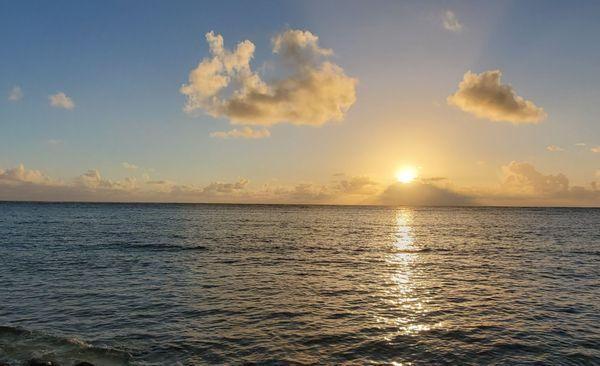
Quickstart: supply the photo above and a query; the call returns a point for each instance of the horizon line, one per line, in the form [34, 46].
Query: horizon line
[281, 204]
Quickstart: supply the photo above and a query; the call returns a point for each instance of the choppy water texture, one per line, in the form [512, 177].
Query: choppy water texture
[145, 284]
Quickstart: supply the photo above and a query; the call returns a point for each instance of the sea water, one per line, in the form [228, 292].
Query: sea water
[184, 284]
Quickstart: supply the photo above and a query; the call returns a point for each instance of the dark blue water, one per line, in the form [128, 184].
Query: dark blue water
[144, 284]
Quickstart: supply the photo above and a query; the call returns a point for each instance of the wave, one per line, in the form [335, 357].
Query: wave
[18, 346]
[156, 247]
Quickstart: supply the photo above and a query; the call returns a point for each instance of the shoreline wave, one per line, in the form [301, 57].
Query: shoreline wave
[18, 346]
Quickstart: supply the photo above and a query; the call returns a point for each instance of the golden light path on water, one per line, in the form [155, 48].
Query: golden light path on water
[409, 304]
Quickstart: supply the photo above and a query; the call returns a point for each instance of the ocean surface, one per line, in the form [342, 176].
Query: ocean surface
[169, 284]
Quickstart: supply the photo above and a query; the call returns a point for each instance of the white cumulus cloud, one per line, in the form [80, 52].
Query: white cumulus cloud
[486, 97]
[314, 92]
[61, 100]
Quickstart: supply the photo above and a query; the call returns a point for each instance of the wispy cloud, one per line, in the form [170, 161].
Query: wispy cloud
[15, 94]
[450, 22]
[61, 100]
[316, 91]
[484, 96]
[245, 132]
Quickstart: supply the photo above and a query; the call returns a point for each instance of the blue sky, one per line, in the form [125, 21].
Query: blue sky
[122, 63]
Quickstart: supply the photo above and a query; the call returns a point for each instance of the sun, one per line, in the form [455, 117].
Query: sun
[406, 175]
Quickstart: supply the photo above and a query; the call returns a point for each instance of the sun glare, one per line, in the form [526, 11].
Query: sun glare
[406, 175]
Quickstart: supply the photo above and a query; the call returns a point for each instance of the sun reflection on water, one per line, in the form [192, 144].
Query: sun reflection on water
[407, 305]
[403, 236]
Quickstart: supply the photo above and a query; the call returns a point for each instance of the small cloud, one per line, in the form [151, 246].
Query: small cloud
[245, 133]
[450, 22]
[129, 166]
[480, 163]
[595, 149]
[61, 100]
[554, 148]
[484, 96]
[15, 94]
[315, 92]
[580, 144]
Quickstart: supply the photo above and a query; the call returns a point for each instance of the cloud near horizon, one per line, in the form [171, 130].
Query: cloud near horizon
[522, 184]
[360, 185]
[61, 100]
[484, 96]
[24, 184]
[423, 193]
[314, 92]
[32, 185]
[15, 176]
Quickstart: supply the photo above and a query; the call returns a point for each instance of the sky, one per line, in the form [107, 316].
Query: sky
[484, 103]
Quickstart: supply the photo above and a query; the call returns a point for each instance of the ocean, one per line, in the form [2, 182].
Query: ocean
[187, 284]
